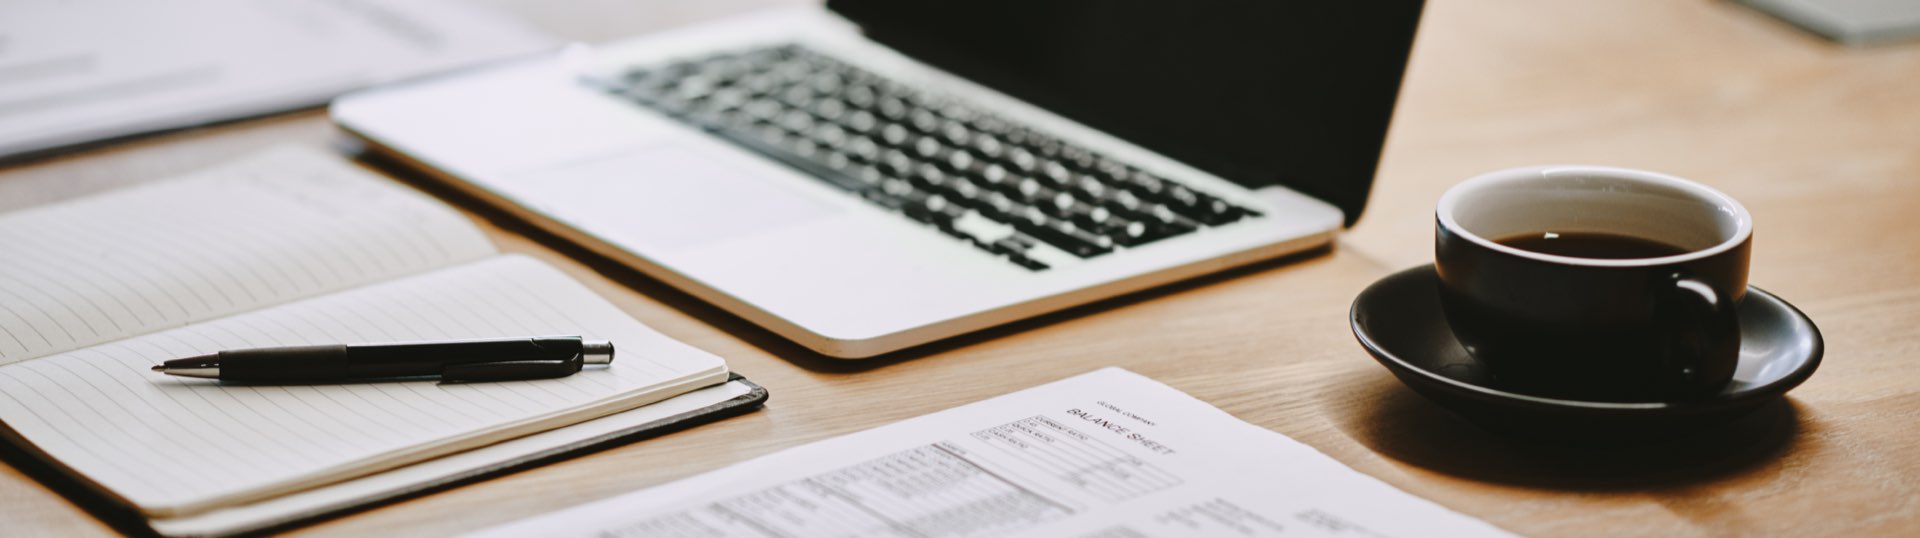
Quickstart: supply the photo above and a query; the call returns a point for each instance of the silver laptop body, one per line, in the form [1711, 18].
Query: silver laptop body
[585, 144]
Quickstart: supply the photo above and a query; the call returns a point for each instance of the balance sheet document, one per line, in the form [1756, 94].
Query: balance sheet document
[1107, 454]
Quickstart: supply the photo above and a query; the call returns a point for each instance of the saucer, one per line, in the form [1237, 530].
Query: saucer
[1398, 319]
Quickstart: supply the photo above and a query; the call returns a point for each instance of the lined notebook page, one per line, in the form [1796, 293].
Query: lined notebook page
[278, 226]
[177, 446]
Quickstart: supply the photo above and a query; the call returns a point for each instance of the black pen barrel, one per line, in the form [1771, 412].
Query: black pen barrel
[430, 358]
[300, 364]
[462, 360]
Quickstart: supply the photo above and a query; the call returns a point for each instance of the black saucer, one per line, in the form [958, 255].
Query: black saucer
[1398, 319]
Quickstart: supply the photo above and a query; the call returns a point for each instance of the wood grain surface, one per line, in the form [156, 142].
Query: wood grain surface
[1821, 142]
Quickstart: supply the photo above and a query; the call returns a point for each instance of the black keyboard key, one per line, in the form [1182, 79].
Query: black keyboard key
[894, 135]
[897, 187]
[1110, 170]
[829, 109]
[997, 206]
[928, 148]
[960, 234]
[1089, 187]
[1182, 198]
[893, 108]
[806, 148]
[963, 193]
[956, 133]
[1124, 202]
[1066, 206]
[729, 99]
[791, 73]
[934, 210]
[1144, 184]
[830, 135]
[1055, 174]
[1095, 218]
[1131, 233]
[1009, 245]
[1215, 212]
[924, 120]
[1022, 160]
[1166, 220]
[860, 95]
[839, 162]
[946, 207]
[826, 83]
[993, 176]
[1032, 193]
[1043, 146]
[928, 176]
[861, 121]
[1026, 262]
[883, 199]
[867, 177]
[962, 161]
[1077, 157]
[762, 109]
[988, 147]
[1064, 236]
[797, 97]
[863, 149]
[1013, 251]
[896, 162]
[1154, 232]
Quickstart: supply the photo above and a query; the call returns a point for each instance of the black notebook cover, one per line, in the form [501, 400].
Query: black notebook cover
[126, 518]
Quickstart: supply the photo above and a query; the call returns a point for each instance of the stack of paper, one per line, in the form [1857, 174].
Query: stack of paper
[85, 70]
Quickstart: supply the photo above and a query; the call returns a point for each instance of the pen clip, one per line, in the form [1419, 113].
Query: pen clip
[509, 370]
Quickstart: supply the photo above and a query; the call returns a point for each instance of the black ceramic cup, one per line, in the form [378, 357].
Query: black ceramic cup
[1600, 328]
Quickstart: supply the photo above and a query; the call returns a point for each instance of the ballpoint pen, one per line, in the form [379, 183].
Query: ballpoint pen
[464, 360]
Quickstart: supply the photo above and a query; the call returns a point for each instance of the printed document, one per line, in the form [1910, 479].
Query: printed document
[1108, 454]
[79, 71]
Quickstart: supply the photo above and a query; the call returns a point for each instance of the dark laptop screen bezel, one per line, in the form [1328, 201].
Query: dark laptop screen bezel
[1260, 92]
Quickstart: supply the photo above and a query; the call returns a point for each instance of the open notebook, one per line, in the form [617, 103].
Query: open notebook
[285, 248]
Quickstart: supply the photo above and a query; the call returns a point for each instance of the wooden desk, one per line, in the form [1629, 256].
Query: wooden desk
[1822, 143]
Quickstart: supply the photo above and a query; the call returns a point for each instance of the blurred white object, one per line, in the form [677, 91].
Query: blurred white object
[80, 71]
[1850, 22]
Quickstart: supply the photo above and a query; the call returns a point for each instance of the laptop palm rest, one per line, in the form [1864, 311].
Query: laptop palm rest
[667, 196]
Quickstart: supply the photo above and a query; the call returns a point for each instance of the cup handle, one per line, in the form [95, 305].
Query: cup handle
[1703, 346]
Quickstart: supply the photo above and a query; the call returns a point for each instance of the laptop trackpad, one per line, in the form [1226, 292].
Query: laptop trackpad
[666, 196]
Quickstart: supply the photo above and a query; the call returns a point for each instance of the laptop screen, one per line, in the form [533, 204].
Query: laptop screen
[1295, 93]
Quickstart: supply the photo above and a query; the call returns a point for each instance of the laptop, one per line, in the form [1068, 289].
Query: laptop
[876, 175]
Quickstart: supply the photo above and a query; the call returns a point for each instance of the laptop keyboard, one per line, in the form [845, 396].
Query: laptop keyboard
[994, 183]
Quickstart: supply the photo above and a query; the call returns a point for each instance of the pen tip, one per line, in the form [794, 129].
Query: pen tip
[159, 367]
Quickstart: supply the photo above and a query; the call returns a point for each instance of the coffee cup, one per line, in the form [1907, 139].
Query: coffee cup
[1594, 283]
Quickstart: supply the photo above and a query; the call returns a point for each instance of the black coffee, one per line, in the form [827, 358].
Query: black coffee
[1590, 245]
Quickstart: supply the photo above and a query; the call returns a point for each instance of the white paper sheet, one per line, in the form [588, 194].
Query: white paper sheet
[273, 228]
[1108, 454]
[254, 516]
[84, 70]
